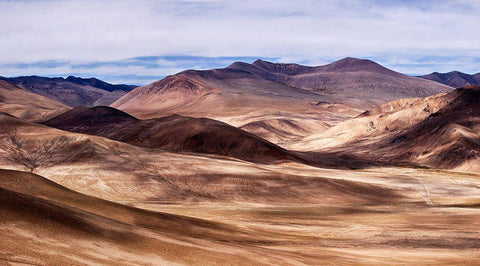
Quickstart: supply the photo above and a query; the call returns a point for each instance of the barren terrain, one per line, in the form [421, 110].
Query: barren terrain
[143, 206]
[24, 104]
[253, 164]
[255, 95]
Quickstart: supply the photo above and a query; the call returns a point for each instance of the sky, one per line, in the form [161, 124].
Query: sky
[140, 41]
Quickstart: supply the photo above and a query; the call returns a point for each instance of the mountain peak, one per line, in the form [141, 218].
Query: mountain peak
[89, 115]
[351, 64]
[352, 61]
[454, 78]
[283, 68]
[79, 79]
[260, 61]
[94, 82]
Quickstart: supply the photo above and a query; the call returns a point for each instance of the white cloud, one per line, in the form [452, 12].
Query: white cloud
[304, 31]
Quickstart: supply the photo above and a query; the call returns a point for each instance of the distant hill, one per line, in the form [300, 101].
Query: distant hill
[27, 105]
[72, 91]
[441, 131]
[454, 79]
[100, 84]
[173, 133]
[243, 88]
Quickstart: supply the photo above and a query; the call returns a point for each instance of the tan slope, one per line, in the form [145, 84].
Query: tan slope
[120, 172]
[282, 131]
[196, 94]
[27, 105]
[378, 121]
[440, 131]
[43, 222]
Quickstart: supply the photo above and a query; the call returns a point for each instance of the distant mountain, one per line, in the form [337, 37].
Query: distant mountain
[27, 105]
[454, 79]
[243, 88]
[72, 91]
[173, 133]
[361, 82]
[100, 84]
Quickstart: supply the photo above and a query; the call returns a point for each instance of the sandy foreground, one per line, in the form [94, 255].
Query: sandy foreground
[431, 217]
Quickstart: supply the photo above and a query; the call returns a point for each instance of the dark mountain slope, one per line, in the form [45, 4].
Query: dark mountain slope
[441, 131]
[72, 91]
[173, 133]
[449, 138]
[93, 82]
[455, 79]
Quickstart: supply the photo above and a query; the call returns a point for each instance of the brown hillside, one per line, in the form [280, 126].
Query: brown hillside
[27, 105]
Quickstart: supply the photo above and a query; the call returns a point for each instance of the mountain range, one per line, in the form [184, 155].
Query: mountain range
[454, 79]
[24, 104]
[241, 87]
[252, 164]
[72, 91]
[262, 96]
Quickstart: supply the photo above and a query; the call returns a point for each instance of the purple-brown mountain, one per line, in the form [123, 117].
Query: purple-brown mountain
[72, 91]
[454, 79]
[241, 88]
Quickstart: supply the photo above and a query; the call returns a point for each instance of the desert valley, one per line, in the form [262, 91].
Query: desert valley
[252, 164]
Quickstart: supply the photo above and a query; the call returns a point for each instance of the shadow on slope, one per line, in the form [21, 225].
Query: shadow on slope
[57, 218]
[440, 131]
[172, 133]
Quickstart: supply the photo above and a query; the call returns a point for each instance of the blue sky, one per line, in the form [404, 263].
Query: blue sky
[141, 41]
